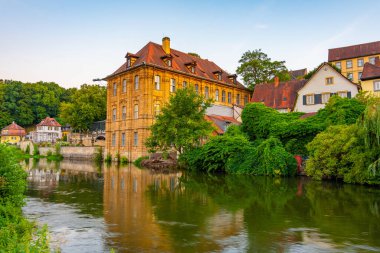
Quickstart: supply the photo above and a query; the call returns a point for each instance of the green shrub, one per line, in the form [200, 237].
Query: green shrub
[36, 151]
[99, 155]
[138, 161]
[49, 153]
[124, 160]
[117, 157]
[58, 149]
[108, 158]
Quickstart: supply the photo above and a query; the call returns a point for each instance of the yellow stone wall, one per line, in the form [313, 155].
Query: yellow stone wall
[10, 139]
[368, 86]
[355, 69]
[146, 97]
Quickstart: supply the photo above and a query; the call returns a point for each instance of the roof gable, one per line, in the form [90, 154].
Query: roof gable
[49, 122]
[371, 71]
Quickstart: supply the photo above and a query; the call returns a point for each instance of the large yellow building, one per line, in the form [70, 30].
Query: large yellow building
[351, 59]
[137, 91]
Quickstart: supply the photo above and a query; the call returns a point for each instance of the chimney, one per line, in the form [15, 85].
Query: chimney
[276, 81]
[166, 45]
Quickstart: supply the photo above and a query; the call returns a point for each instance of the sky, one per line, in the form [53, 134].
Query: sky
[74, 42]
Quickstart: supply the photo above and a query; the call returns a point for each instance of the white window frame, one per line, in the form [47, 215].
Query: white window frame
[329, 80]
[338, 65]
[372, 60]
[172, 85]
[350, 76]
[349, 67]
[124, 85]
[325, 98]
[342, 94]
[114, 89]
[376, 85]
[361, 60]
[114, 114]
[136, 81]
[310, 99]
[217, 95]
[157, 82]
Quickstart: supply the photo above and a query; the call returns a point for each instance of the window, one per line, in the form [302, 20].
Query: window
[124, 85]
[310, 99]
[245, 99]
[136, 112]
[338, 65]
[156, 108]
[114, 89]
[113, 143]
[360, 75]
[157, 82]
[220, 76]
[229, 98]
[169, 62]
[206, 92]
[238, 99]
[349, 76]
[123, 139]
[360, 62]
[217, 95]
[223, 96]
[135, 139]
[184, 84]
[376, 85]
[329, 80]
[196, 88]
[192, 69]
[128, 62]
[372, 60]
[349, 64]
[325, 98]
[114, 114]
[342, 94]
[136, 82]
[124, 113]
[172, 85]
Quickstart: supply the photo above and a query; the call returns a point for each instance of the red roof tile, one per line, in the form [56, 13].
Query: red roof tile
[221, 122]
[49, 122]
[371, 71]
[153, 53]
[341, 53]
[13, 130]
[281, 97]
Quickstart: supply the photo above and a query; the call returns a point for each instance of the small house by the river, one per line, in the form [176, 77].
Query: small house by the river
[12, 133]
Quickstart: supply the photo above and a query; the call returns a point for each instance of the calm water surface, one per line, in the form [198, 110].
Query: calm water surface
[134, 210]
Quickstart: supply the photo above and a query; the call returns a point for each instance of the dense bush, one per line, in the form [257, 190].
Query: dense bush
[138, 161]
[17, 234]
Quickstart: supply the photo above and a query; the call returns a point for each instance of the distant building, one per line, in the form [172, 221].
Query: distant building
[351, 59]
[371, 77]
[12, 134]
[221, 123]
[48, 130]
[297, 74]
[324, 83]
[278, 95]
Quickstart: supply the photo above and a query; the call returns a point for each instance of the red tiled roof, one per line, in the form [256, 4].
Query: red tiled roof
[153, 53]
[281, 97]
[13, 130]
[341, 53]
[49, 122]
[371, 71]
[295, 74]
[220, 122]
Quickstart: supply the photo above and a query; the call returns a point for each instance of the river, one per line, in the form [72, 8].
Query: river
[88, 209]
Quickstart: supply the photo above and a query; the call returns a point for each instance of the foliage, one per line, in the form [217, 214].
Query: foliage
[29, 103]
[340, 152]
[99, 155]
[108, 158]
[194, 54]
[124, 160]
[36, 151]
[57, 149]
[181, 125]
[139, 160]
[17, 234]
[27, 150]
[87, 105]
[256, 67]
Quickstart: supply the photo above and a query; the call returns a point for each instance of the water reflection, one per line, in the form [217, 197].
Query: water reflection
[136, 210]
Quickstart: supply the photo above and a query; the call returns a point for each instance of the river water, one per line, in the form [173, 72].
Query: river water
[88, 209]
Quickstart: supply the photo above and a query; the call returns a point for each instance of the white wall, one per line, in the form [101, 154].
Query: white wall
[317, 85]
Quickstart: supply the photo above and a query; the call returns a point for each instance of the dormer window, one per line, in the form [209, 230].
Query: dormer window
[128, 62]
[131, 58]
[191, 66]
[232, 78]
[167, 59]
[169, 62]
[218, 74]
[192, 69]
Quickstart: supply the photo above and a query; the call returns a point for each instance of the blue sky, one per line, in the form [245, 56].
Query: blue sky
[72, 42]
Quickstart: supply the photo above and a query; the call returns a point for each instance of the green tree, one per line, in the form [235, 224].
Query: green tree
[256, 67]
[181, 124]
[88, 104]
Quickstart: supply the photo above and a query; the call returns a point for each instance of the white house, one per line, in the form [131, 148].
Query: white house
[323, 84]
[48, 130]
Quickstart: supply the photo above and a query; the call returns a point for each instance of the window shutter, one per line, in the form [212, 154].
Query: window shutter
[304, 99]
[349, 94]
[318, 99]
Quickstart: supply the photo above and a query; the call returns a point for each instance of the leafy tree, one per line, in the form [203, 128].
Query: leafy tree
[88, 104]
[181, 124]
[256, 67]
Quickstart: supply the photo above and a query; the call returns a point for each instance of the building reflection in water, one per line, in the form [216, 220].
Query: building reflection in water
[168, 221]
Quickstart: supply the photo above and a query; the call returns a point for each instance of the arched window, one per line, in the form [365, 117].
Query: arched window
[157, 82]
[217, 95]
[136, 82]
